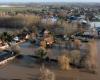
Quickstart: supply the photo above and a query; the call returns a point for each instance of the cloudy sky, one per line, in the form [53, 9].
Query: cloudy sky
[5, 1]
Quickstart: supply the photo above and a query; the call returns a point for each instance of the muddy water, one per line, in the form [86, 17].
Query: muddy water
[27, 69]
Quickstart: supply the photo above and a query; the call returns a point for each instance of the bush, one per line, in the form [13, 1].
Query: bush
[89, 59]
[6, 37]
[15, 49]
[46, 74]
[77, 43]
[75, 57]
[63, 61]
[41, 53]
[11, 22]
[19, 21]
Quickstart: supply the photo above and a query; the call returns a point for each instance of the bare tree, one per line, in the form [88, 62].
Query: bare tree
[77, 43]
[75, 57]
[46, 74]
[64, 62]
[91, 55]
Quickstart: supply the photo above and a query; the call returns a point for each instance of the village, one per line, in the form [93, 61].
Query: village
[50, 43]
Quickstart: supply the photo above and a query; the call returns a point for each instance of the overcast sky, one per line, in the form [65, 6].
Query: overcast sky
[5, 1]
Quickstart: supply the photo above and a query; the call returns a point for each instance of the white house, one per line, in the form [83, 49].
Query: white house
[50, 20]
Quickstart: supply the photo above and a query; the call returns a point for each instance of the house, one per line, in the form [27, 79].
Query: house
[16, 38]
[83, 21]
[95, 28]
[49, 20]
[46, 33]
[49, 40]
[71, 18]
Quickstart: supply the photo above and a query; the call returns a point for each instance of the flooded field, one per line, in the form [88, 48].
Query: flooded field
[27, 69]
[49, 41]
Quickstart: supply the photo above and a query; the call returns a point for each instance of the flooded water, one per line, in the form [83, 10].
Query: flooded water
[27, 69]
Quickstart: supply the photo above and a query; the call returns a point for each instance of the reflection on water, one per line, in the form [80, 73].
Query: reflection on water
[26, 45]
[28, 49]
[7, 30]
[25, 61]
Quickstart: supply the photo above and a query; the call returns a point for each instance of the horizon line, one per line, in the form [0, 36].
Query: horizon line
[53, 2]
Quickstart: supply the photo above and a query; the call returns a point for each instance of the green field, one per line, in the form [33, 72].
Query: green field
[19, 9]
